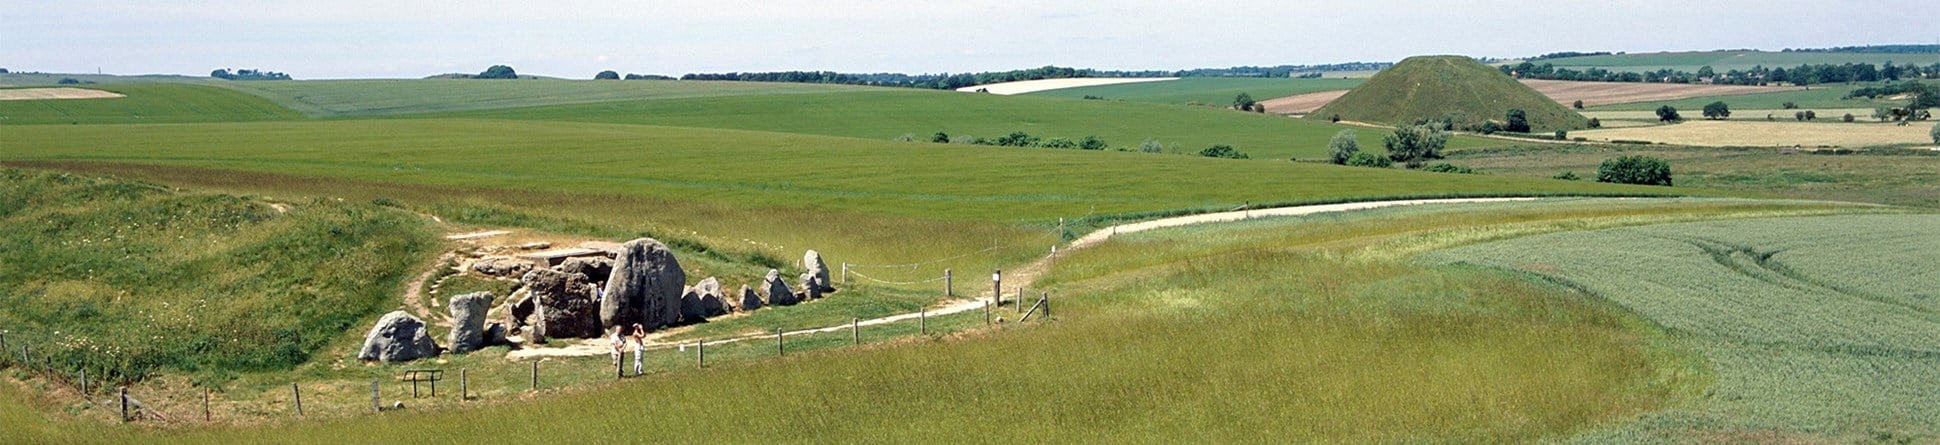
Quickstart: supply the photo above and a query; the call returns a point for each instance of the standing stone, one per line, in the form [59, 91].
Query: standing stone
[520, 314]
[563, 304]
[645, 287]
[495, 334]
[690, 306]
[820, 271]
[711, 303]
[778, 292]
[397, 337]
[749, 300]
[596, 269]
[468, 321]
[811, 287]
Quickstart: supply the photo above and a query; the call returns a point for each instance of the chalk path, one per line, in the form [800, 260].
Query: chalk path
[1027, 274]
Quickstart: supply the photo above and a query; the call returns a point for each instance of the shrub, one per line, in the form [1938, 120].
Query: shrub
[1091, 143]
[1489, 128]
[906, 137]
[1668, 114]
[1800, 115]
[1596, 123]
[1518, 121]
[1150, 146]
[1335, 118]
[1717, 110]
[1562, 135]
[1365, 159]
[940, 138]
[1848, 117]
[68, 81]
[1443, 167]
[1642, 170]
[1017, 139]
[1222, 151]
[607, 75]
[1578, 104]
[1342, 147]
[1060, 143]
[1566, 176]
[1412, 146]
[498, 72]
[1789, 105]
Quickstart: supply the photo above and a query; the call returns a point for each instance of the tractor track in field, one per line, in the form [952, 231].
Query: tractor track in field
[1029, 273]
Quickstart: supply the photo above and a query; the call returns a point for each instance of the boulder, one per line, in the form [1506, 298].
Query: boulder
[712, 303]
[811, 287]
[519, 314]
[749, 300]
[397, 337]
[813, 262]
[499, 266]
[778, 292]
[468, 321]
[495, 333]
[596, 269]
[690, 306]
[645, 287]
[562, 304]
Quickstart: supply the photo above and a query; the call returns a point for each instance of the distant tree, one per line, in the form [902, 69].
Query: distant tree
[1562, 135]
[940, 138]
[1243, 101]
[1335, 118]
[1778, 75]
[1365, 159]
[1151, 146]
[1800, 115]
[68, 81]
[1017, 139]
[1566, 176]
[1596, 123]
[222, 73]
[1578, 104]
[1789, 105]
[1643, 170]
[1518, 121]
[1342, 147]
[1091, 143]
[1706, 71]
[1811, 115]
[1889, 71]
[498, 72]
[607, 75]
[1415, 145]
[1848, 117]
[1222, 151]
[1668, 114]
[1717, 110]
[1489, 127]
[3, 71]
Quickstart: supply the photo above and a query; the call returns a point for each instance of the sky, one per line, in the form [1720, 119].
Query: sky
[410, 39]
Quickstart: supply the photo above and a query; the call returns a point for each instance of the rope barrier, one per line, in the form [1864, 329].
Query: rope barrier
[915, 265]
[879, 280]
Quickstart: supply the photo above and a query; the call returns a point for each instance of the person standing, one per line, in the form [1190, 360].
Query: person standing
[639, 349]
[619, 342]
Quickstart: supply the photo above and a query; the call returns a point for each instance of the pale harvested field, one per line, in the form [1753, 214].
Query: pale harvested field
[1032, 86]
[1301, 103]
[56, 93]
[1860, 115]
[1768, 134]
[1605, 93]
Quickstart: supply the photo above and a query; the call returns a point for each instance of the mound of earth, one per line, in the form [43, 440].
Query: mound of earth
[1431, 88]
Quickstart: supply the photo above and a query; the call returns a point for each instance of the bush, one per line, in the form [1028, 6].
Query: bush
[498, 72]
[1642, 170]
[1562, 135]
[1412, 146]
[1578, 104]
[1017, 139]
[1091, 143]
[1222, 151]
[1789, 105]
[1566, 176]
[1150, 146]
[1060, 143]
[1342, 147]
[1848, 117]
[1596, 123]
[68, 81]
[607, 75]
[1668, 114]
[1518, 121]
[1489, 128]
[940, 138]
[1365, 159]
[1443, 167]
[1717, 110]
[1335, 118]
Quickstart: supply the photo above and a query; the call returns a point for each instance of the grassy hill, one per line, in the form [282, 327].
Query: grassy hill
[884, 114]
[1435, 87]
[1729, 60]
[1214, 91]
[333, 98]
[161, 102]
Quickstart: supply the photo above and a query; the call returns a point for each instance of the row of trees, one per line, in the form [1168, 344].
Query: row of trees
[1022, 139]
[1757, 75]
[615, 75]
[248, 74]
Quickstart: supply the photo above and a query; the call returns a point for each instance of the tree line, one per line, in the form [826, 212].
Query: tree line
[950, 81]
[248, 74]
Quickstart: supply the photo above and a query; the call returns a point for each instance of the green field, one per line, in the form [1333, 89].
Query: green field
[1815, 327]
[1730, 60]
[331, 98]
[1902, 178]
[1213, 91]
[146, 103]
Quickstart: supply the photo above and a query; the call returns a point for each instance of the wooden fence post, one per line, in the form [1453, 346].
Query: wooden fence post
[374, 407]
[1046, 301]
[297, 395]
[535, 374]
[464, 386]
[855, 329]
[1020, 300]
[986, 314]
[845, 274]
[997, 287]
[779, 349]
[923, 321]
[948, 290]
[700, 353]
[205, 406]
[122, 392]
[84, 383]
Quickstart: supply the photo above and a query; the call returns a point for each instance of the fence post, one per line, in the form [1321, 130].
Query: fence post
[84, 383]
[997, 286]
[123, 394]
[923, 321]
[374, 407]
[1046, 301]
[700, 353]
[948, 290]
[986, 314]
[845, 274]
[205, 406]
[464, 386]
[1020, 300]
[779, 349]
[855, 330]
[535, 374]
[297, 395]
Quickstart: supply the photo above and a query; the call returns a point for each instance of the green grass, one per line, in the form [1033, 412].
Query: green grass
[127, 279]
[146, 103]
[1817, 328]
[889, 114]
[1905, 178]
[332, 98]
[1436, 87]
[1730, 60]
[1213, 91]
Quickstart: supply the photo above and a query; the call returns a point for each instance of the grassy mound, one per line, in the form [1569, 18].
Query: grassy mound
[147, 103]
[1432, 88]
[126, 279]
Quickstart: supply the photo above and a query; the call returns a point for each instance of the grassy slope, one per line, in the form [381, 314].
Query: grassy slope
[888, 114]
[103, 274]
[1816, 330]
[146, 103]
[1729, 60]
[1434, 87]
[1907, 179]
[1396, 353]
[1214, 91]
[330, 98]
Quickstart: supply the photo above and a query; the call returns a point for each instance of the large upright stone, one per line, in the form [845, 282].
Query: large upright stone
[749, 299]
[778, 292]
[690, 306]
[468, 321]
[712, 304]
[820, 271]
[811, 287]
[563, 304]
[645, 287]
[397, 337]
